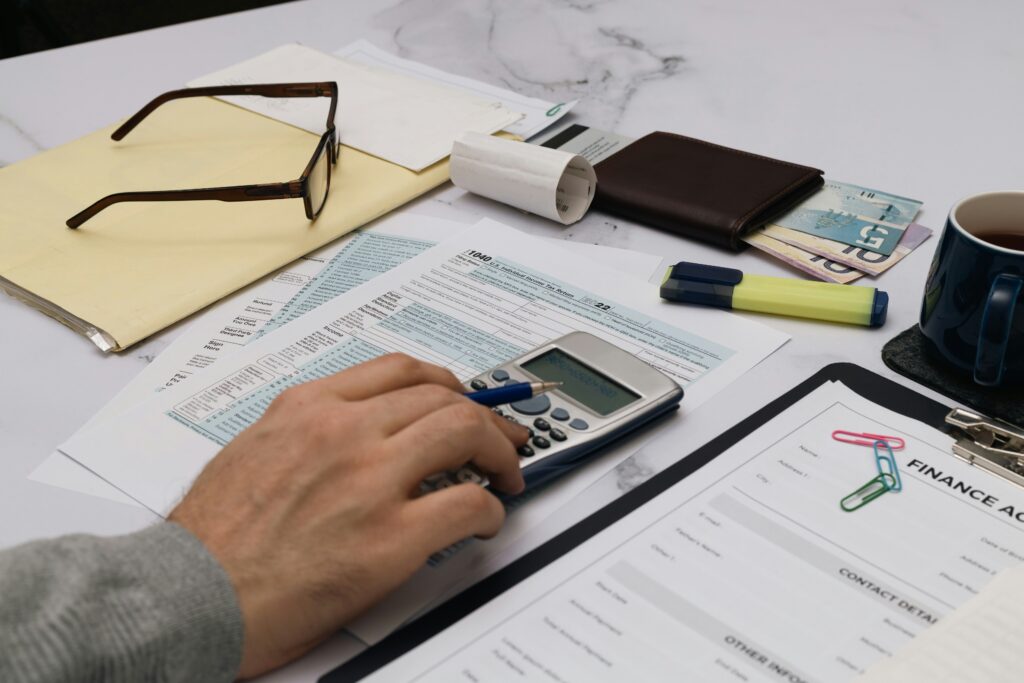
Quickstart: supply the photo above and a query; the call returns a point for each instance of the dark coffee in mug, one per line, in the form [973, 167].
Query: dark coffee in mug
[1008, 239]
[973, 310]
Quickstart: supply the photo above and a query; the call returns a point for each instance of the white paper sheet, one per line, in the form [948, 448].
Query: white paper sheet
[537, 114]
[978, 643]
[550, 183]
[295, 289]
[531, 293]
[407, 121]
[748, 569]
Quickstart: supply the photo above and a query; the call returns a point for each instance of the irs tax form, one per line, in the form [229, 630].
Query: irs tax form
[281, 297]
[485, 295]
[748, 570]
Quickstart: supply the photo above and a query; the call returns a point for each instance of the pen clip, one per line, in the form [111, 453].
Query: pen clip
[866, 439]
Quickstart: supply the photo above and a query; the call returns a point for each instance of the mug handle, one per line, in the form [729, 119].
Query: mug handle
[995, 329]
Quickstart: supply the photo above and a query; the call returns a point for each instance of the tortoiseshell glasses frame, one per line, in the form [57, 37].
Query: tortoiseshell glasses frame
[313, 198]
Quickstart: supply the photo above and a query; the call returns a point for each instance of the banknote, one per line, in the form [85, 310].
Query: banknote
[856, 257]
[812, 264]
[858, 216]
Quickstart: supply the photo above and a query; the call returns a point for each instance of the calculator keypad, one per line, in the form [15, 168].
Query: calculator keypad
[543, 435]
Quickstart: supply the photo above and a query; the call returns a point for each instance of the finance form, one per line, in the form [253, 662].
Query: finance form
[748, 570]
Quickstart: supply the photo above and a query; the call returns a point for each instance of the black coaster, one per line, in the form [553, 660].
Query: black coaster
[906, 354]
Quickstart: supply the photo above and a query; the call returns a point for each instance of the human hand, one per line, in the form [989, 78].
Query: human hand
[314, 511]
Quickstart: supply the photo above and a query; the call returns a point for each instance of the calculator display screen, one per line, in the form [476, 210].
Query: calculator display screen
[587, 386]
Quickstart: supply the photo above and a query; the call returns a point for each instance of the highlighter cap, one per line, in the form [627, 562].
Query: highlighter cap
[696, 283]
[879, 307]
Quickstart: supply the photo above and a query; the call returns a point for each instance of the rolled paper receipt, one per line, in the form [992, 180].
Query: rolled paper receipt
[546, 182]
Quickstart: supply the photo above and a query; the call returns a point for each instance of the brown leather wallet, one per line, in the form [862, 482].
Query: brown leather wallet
[696, 189]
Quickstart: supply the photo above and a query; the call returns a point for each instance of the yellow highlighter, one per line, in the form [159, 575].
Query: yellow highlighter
[695, 283]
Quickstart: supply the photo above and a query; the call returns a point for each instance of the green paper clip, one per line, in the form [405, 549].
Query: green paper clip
[885, 461]
[868, 492]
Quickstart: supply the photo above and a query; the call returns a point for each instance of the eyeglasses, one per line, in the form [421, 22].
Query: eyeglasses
[312, 186]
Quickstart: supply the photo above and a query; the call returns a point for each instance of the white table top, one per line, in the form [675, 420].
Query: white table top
[918, 98]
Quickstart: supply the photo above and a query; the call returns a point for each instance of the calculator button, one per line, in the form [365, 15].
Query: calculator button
[542, 424]
[499, 412]
[541, 442]
[478, 384]
[558, 435]
[560, 414]
[524, 451]
[443, 483]
[499, 375]
[579, 424]
[532, 406]
[530, 433]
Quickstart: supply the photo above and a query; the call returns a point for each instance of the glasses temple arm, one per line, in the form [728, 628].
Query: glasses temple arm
[235, 193]
[320, 89]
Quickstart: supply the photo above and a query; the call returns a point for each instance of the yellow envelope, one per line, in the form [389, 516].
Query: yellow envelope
[136, 268]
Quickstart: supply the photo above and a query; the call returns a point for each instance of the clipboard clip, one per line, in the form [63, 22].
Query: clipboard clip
[992, 445]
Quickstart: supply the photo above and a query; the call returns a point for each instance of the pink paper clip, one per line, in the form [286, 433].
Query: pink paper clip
[865, 439]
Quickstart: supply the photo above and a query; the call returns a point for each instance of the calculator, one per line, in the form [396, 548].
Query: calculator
[606, 393]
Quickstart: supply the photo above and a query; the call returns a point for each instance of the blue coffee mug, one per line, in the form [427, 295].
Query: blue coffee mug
[973, 313]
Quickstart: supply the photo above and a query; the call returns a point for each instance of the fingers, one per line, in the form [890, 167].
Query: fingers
[398, 409]
[450, 437]
[516, 433]
[444, 517]
[384, 374]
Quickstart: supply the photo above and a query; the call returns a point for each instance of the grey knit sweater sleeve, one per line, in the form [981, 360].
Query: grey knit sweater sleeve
[150, 606]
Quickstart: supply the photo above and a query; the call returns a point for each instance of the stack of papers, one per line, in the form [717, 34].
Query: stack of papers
[537, 114]
[407, 121]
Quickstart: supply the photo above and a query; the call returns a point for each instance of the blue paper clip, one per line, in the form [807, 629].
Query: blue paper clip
[885, 461]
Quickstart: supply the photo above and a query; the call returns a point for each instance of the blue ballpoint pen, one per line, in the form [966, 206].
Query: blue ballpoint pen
[510, 393]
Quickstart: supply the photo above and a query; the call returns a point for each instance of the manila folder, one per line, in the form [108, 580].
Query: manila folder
[135, 268]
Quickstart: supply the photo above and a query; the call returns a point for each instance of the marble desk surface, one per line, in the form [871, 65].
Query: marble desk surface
[921, 98]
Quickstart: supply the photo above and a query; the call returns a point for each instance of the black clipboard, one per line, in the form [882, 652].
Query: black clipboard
[871, 386]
